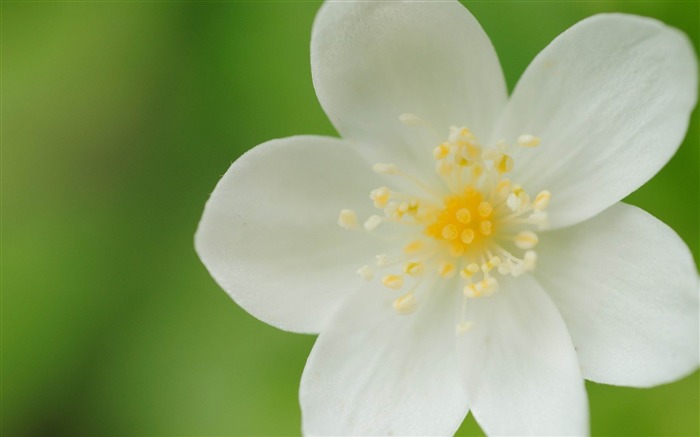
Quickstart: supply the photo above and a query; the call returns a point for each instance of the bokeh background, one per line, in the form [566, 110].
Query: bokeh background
[118, 118]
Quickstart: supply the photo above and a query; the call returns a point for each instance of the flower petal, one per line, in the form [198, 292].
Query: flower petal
[611, 99]
[627, 288]
[373, 61]
[519, 365]
[374, 372]
[269, 233]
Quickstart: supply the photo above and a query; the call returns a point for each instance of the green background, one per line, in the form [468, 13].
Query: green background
[118, 118]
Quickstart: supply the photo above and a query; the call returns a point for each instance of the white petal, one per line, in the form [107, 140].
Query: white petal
[269, 233]
[519, 365]
[373, 61]
[374, 372]
[611, 99]
[627, 288]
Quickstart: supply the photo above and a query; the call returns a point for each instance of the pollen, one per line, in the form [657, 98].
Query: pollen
[475, 222]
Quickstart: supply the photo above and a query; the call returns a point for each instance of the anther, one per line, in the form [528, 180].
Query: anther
[347, 219]
[413, 268]
[530, 260]
[380, 196]
[393, 281]
[385, 169]
[528, 140]
[441, 151]
[526, 240]
[372, 222]
[405, 304]
[503, 163]
[446, 270]
[542, 200]
[485, 227]
[382, 260]
[413, 246]
[365, 273]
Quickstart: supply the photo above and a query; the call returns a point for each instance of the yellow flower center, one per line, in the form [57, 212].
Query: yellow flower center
[477, 223]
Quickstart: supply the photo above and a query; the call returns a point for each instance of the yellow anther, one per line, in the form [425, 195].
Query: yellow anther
[542, 200]
[485, 209]
[441, 151]
[385, 168]
[469, 271]
[485, 227]
[463, 215]
[413, 206]
[503, 187]
[393, 281]
[503, 163]
[365, 273]
[486, 287]
[477, 171]
[449, 232]
[413, 268]
[456, 249]
[406, 304]
[467, 236]
[414, 246]
[526, 240]
[372, 222]
[470, 290]
[528, 140]
[463, 327]
[461, 161]
[380, 196]
[347, 219]
[446, 270]
[495, 261]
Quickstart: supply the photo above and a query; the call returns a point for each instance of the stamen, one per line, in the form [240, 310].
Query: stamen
[542, 200]
[365, 273]
[372, 222]
[405, 304]
[526, 240]
[386, 169]
[413, 268]
[528, 140]
[393, 281]
[347, 219]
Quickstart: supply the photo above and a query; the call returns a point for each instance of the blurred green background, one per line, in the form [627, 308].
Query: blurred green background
[118, 118]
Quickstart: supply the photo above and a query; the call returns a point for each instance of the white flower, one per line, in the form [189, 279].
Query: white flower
[492, 268]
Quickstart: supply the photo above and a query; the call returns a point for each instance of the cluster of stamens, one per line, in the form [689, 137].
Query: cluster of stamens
[477, 224]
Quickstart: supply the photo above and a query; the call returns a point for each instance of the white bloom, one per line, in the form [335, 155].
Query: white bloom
[459, 249]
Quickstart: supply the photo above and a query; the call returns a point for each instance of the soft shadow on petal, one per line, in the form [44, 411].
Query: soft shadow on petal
[519, 365]
[627, 288]
[374, 372]
[269, 233]
[373, 61]
[611, 99]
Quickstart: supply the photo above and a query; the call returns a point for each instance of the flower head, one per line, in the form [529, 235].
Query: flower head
[458, 249]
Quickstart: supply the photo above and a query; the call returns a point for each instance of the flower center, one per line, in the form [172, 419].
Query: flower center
[477, 223]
